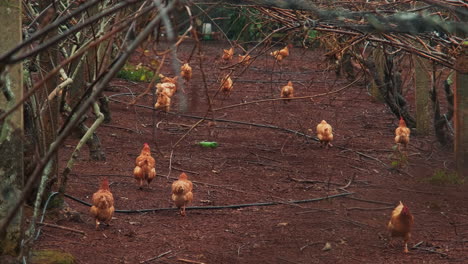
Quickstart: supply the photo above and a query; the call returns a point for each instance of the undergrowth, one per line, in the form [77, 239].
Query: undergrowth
[136, 73]
[443, 177]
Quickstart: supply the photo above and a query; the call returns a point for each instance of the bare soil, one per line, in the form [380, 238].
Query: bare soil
[255, 164]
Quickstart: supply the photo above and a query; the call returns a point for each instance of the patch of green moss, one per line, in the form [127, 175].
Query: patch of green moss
[52, 257]
[136, 73]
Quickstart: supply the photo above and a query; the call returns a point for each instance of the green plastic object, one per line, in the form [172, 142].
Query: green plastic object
[208, 144]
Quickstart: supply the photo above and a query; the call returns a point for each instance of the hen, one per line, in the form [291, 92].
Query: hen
[182, 192]
[325, 133]
[186, 72]
[164, 101]
[103, 204]
[244, 59]
[282, 53]
[165, 79]
[167, 87]
[145, 167]
[287, 91]
[226, 84]
[401, 223]
[227, 54]
[402, 134]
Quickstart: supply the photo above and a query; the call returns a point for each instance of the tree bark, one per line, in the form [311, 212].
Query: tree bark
[11, 130]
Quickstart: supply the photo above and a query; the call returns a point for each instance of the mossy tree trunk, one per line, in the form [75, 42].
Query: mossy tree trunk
[11, 129]
[423, 79]
[461, 114]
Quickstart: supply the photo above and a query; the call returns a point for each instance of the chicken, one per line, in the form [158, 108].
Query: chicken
[282, 53]
[226, 84]
[287, 91]
[165, 79]
[145, 167]
[163, 102]
[325, 133]
[186, 72]
[402, 134]
[401, 223]
[227, 54]
[182, 192]
[167, 87]
[245, 59]
[103, 204]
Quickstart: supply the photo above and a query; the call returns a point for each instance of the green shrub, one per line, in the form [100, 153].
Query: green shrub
[136, 73]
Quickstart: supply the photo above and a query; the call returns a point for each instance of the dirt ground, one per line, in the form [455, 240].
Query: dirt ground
[255, 164]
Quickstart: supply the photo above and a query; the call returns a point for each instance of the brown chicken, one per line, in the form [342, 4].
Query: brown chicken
[287, 91]
[103, 204]
[145, 167]
[325, 133]
[182, 192]
[186, 72]
[228, 54]
[245, 59]
[401, 223]
[167, 87]
[165, 79]
[402, 134]
[163, 102]
[282, 53]
[226, 84]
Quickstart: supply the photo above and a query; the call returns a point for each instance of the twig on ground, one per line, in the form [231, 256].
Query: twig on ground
[158, 256]
[293, 98]
[62, 227]
[313, 181]
[368, 201]
[369, 209]
[123, 128]
[311, 244]
[190, 261]
[349, 183]
[416, 191]
[428, 249]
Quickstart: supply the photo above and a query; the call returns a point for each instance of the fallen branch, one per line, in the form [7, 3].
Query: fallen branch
[235, 206]
[293, 98]
[369, 209]
[190, 261]
[63, 228]
[427, 249]
[158, 256]
[368, 201]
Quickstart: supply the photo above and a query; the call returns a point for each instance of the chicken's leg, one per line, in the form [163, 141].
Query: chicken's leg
[97, 224]
[182, 211]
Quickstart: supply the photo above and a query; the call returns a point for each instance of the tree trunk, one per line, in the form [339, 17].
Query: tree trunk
[461, 114]
[423, 79]
[11, 130]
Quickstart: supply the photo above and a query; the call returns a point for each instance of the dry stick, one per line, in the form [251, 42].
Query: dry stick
[427, 249]
[369, 209]
[158, 256]
[190, 261]
[313, 181]
[368, 201]
[219, 207]
[293, 98]
[63, 228]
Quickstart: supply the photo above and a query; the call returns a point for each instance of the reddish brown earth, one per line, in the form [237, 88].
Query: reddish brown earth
[254, 164]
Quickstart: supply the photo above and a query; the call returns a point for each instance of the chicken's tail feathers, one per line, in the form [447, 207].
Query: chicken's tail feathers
[183, 176]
